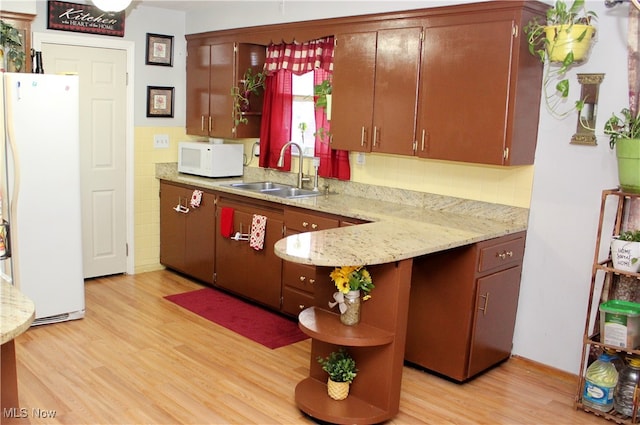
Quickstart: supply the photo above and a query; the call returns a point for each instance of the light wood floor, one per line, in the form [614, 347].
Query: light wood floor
[139, 359]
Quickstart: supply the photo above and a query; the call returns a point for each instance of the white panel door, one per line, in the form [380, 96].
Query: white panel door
[102, 75]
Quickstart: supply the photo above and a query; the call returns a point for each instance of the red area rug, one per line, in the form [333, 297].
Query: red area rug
[253, 322]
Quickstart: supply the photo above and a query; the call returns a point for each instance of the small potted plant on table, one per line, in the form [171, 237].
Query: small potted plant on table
[625, 251]
[624, 135]
[342, 371]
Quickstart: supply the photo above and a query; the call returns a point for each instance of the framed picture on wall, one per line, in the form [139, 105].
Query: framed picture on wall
[160, 102]
[159, 50]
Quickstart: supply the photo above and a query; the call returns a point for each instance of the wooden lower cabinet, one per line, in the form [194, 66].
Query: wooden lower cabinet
[299, 280]
[250, 273]
[187, 237]
[463, 307]
[376, 344]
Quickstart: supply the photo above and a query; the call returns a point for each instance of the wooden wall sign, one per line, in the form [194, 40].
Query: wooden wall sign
[85, 18]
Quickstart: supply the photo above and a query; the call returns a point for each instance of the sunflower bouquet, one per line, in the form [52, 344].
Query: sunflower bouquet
[352, 278]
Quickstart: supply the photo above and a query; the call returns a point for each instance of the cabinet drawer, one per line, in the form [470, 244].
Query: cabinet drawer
[500, 255]
[293, 302]
[305, 222]
[299, 276]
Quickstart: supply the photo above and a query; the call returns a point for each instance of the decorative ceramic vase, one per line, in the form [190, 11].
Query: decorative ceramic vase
[351, 316]
[337, 390]
[565, 39]
[625, 255]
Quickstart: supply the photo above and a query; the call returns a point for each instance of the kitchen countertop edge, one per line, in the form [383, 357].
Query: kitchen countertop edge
[398, 229]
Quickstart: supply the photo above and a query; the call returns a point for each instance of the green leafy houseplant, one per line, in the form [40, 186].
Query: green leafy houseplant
[322, 93]
[564, 40]
[339, 365]
[11, 42]
[250, 84]
[624, 136]
[626, 126]
[630, 235]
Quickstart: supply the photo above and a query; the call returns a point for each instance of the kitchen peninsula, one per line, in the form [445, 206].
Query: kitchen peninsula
[400, 234]
[16, 313]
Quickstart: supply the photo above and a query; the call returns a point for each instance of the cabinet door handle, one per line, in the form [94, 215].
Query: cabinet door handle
[422, 139]
[504, 254]
[314, 226]
[210, 123]
[201, 122]
[375, 135]
[305, 224]
[363, 134]
[486, 304]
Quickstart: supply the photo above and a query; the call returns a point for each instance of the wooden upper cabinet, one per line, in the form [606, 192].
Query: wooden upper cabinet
[198, 64]
[375, 83]
[479, 91]
[212, 70]
[21, 22]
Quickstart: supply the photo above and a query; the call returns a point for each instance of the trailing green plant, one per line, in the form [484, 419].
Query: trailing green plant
[250, 84]
[320, 91]
[339, 365]
[627, 126]
[11, 41]
[542, 47]
[630, 236]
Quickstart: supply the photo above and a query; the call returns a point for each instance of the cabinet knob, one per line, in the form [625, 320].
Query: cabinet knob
[312, 281]
[301, 306]
[302, 278]
[504, 255]
[314, 226]
[305, 224]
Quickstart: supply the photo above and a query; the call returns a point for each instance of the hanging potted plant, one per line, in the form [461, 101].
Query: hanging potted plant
[323, 95]
[624, 136]
[250, 84]
[350, 280]
[625, 251]
[342, 371]
[12, 54]
[564, 40]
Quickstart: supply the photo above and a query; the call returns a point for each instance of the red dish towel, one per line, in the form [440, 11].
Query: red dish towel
[258, 225]
[226, 222]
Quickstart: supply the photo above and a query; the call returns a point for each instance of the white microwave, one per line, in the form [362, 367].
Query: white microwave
[210, 159]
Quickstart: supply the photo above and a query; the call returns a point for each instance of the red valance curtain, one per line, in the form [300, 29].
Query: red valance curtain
[284, 60]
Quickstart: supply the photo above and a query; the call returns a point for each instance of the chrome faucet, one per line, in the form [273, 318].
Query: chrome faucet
[301, 177]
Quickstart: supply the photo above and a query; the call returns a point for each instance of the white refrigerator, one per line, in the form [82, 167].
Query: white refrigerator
[41, 193]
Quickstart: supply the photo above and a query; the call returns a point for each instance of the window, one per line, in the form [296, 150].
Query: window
[303, 120]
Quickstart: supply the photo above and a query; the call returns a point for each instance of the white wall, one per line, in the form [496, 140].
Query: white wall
[141, 20]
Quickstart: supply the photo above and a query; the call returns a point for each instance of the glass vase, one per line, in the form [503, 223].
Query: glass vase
[351, 316]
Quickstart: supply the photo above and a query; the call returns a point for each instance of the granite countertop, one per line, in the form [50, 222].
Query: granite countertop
[16, 312]
[403, 224]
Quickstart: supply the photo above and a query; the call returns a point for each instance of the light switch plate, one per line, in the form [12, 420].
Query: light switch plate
[161, 141]
[360, 158]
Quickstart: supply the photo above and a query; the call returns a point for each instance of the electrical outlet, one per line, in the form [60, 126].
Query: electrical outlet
[161, 141]
[360, 158]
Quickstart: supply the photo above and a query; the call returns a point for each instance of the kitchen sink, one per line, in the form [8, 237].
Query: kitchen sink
[260, 186]
[275, 189]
